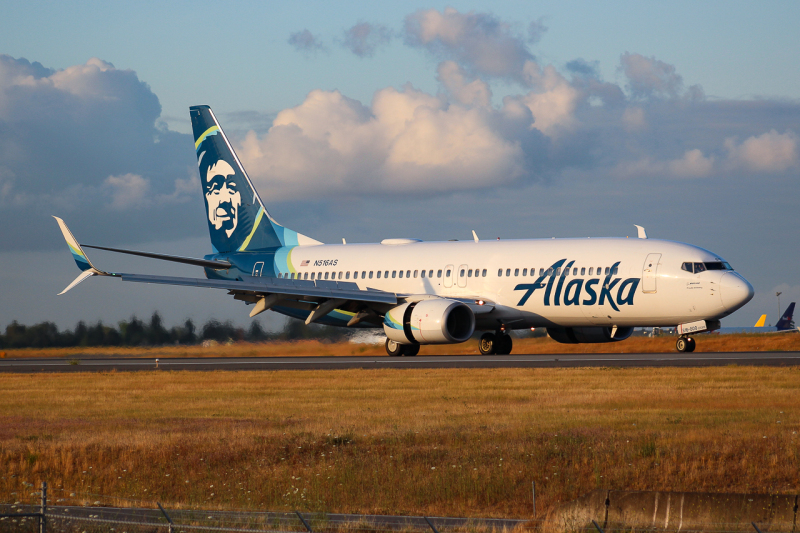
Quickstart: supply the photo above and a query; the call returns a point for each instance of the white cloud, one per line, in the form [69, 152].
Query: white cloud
[478, 41]
[454, 79]
[768, 152]
[693, 164]
[128, 191]
[649, 77]
[408, 142]
[553, 99]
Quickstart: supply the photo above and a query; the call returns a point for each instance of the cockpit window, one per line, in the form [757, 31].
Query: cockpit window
[702, 267]
[718, 265]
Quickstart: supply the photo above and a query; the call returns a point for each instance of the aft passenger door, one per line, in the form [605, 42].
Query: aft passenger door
[650, 273]
[462, 276]
[448, 276]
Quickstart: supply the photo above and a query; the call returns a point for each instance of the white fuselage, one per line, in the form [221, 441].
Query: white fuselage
[648, 287]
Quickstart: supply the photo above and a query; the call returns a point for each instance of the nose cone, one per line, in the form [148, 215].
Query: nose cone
[735, 291]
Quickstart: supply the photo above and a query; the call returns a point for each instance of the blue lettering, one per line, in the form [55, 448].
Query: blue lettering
[590, 291]
[574, 289]
[557, 297]
[628, 300]
[547, 291]
[607, 286]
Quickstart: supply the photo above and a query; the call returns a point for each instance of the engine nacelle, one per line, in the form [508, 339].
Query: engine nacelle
[588, 335]
[436, 321]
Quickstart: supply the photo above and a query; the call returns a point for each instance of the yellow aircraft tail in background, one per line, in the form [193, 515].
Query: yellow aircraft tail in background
[760, 323]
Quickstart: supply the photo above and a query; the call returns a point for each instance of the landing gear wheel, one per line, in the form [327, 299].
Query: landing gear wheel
[410, 350]
[504, 345]
[685, 344]
[691, 345]
[394, 349]
[487, 344]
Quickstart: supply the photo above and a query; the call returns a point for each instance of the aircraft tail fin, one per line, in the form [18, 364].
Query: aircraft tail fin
[237, 218]
[786, 321]
[761, 321]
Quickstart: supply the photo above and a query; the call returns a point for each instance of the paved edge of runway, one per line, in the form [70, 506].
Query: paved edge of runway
[631, 360]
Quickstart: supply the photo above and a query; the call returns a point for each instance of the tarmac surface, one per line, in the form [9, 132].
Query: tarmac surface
[676, 359]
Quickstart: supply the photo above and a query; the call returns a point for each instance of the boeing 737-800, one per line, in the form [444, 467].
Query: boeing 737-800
[582, 290]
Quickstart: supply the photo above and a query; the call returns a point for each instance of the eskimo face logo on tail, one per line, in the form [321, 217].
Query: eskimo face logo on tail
[575, 288]
[223, 199]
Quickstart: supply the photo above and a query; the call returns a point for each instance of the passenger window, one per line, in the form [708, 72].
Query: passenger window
[363, 274]
[379, 274]
[699, 267]
[347, 275]
[447, 274]
[574, 271]
[401, 273]
[508, 272]
[583, 271]
[524, 271]
[326, 275]
[386, 274]
[615, 271]
[422, 274]
[516, 272]
[430, 273]
[541, 272]
[370, 274]
[606, 271]
[394, 273]
[469, 273]
[312, 275]
[408, 273]
[558, 271]
[591, 269]
[599, 270]
[438, 273]
[415, 273]
[499, 272]
[484, 272]
[463, 272]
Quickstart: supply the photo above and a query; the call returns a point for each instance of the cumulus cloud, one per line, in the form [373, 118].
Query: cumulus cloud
[768, 152]
[408, 142]
[479, 41]
[63, 133]
[455, 80]
[306, 42]
[649, 77]
[364, 38]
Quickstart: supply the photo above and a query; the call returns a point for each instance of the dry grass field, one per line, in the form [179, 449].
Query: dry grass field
[705, 343]
[436, 442]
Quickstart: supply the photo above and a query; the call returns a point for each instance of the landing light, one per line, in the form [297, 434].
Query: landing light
[480, 302]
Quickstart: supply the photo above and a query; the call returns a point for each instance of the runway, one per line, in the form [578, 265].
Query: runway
[632, 360]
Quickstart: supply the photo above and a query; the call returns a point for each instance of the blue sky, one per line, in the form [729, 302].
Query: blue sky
[583, 118]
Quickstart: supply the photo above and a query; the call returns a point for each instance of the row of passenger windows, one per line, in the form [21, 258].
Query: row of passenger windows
[557, 271]
[364, 274]
[429, 273]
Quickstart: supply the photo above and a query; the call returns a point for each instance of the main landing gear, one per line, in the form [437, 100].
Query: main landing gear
[395, 349]
[495, 344]
[685, 344]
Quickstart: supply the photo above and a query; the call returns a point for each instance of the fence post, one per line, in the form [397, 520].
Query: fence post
[42, 519]
[171, 523]
[755, 526]
[430, 524]
[303, 520]
[534, 499]
[597, 526]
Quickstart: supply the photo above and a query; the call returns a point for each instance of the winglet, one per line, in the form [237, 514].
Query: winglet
[81, 259]
[475, 236]
[760, 323]
[642, 233]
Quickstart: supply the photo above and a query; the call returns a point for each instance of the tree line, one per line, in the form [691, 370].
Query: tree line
[137, 332]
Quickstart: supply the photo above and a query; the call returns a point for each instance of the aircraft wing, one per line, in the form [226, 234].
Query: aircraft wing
[319, 296]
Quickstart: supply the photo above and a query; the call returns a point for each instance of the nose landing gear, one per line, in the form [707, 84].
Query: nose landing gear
[685, 344]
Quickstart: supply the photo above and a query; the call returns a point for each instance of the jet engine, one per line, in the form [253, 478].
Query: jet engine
[588, 335]
[435, 321]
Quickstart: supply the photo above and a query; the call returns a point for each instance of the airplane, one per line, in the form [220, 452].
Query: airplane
[589, 290]
[784, 325]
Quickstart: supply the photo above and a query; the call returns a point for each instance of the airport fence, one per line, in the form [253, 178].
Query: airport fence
[63, 511]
